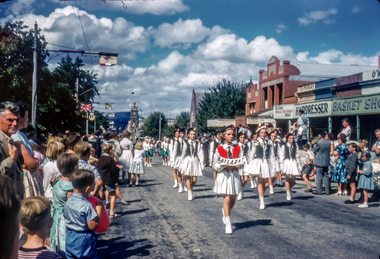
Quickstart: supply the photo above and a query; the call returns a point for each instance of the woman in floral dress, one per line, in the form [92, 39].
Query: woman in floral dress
[340, 174]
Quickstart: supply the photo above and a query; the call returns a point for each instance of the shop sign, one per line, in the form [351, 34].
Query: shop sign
[370, 75]
[257, 120]
[306, 98]
[359, 105]
[283, 111]
[305, 88]
[318, 109]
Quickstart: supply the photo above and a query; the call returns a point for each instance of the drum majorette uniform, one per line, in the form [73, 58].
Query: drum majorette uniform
[227, 180]
[177, 153]
[276, 161]
[146, 147]
[126, 157]
[244, 149]
[261, 159]
[137, 166]
[213, 145]
[164, 152]
[171, 152]
[290, 162]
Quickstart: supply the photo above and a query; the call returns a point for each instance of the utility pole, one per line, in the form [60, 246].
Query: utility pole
[34, 87]
[87, 123]
[159, 129]
[95, 125]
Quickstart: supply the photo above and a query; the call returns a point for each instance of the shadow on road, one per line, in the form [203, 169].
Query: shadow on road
[278, 204]
[202, 190]
[152, 184]
[303, 197]
[252, 223]
[206, 196]
[135, 201]
[111, 248]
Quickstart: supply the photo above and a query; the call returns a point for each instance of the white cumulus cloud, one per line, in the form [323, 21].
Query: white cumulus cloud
[281, 28]
[315, 16]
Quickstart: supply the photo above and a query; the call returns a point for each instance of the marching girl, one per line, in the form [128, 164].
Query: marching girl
[137, 166]
[167, 151]
[276, 161]
[146, 150]
[192, 161]
[150, 151]
[163, 151]
[172, 157]
[260, 162]
[290, 163]
[126, 157]
[243, 175]
[228, 179]
[177, 152]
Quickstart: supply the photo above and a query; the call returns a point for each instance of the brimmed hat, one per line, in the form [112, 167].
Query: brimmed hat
[229, 127]
[262, 126]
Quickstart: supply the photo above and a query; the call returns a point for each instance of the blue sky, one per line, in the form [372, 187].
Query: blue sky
[167, 47]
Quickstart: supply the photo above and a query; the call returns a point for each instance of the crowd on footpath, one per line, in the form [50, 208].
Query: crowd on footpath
[50, 184]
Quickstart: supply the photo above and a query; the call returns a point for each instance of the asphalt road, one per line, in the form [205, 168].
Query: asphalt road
[161, 223]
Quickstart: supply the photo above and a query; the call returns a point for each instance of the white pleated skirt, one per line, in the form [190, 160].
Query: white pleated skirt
[177, 163]
[277, 165]
[291, 167]
[261, 168]
[137, 168]
[227, 183]
[242, 172]
[126, 160]
[191, 166]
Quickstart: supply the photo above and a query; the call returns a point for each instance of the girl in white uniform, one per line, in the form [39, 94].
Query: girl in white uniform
[146, 150]
[243, 175]
[178, 148]
[228, 179]
[276, 161]
[126, 157]
[172, 157]
[137, 166]
[192, 162]
[260, 162]
[291, 163]
[150, 151]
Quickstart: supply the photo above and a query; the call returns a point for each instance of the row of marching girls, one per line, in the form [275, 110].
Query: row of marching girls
[148, 149]
[186, 160]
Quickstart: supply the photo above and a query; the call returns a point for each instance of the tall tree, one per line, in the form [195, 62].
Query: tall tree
[182, 120]
[151, 124]
[225, 100]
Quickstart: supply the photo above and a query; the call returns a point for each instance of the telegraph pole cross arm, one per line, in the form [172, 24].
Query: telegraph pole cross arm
[105, 58]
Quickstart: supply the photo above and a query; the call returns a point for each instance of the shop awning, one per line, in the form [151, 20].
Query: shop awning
[219, 123]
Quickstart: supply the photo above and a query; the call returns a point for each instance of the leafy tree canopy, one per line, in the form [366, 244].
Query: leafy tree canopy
[182, 120]
[151, 124]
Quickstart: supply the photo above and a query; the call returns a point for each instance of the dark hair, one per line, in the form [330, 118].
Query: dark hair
[306, 146]
[9, 209]
[82, 178]
[367, 155]
[353, 145]
[72, 139]
[322, 133]
[31, 134]
[190, 130]
[24, 107]
[66, 163]
[346, 120]
[240, 125]
[288, 135]
[107, 136]
[301, 111]
[113, 134]
[343, 138]
[330, 135]
[241, 133]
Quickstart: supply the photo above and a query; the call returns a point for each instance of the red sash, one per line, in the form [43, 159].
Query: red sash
[223, 153]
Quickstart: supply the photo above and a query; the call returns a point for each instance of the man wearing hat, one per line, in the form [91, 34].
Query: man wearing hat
[322, 163]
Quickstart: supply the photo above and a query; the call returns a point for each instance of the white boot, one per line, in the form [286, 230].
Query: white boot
[228, 226]
[150, 164]
[163, 162]
[252, 185]
[364, 205]
[223, 218]
[190, 195]
[262, 204]
[255, 183]
[240, 196]
[175, 184]
[180, 189]
[185, 187]
[271, 189]
[288, 196]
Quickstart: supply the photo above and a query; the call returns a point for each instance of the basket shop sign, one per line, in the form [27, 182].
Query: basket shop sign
[359, 105]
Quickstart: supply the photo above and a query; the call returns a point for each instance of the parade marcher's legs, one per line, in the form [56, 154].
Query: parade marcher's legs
[290, 181]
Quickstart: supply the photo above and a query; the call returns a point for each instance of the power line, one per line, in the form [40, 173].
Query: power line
[84, 35]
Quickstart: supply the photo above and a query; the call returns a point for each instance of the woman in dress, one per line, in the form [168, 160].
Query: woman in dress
[172, 157]
[146, 150]
[150, 151]
[192, 162]
[137, 166]
[243, 175]
[340, 173]
[177, 152]
[275, 143]
[126, 157]
[261, 161]
[163, 152]
[291, 163]
[227, 180]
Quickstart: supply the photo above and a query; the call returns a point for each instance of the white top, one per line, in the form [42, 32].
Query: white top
[217, 166]
[126, 144]
[309, 156]
[50, 169]
[146, 146]
[282, 156]
[139, 156]
[165, 146]
[265, 145]
[211, 150]
[199, 151]
[176, 147]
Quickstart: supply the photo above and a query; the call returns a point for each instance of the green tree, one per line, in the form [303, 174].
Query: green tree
[151, 124]
[225, 100]
[168, 131]
[182, 120]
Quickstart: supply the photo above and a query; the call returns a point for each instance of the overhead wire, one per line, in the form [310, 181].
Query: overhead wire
[84, 35]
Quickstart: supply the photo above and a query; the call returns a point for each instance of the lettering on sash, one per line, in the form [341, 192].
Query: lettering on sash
[233, 161]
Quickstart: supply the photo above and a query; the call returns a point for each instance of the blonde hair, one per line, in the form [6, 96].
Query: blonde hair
[35, 213]
[82, 149]
[138, 146]
[55, 138]
[93, 161]
[54, 149]
[107, 148]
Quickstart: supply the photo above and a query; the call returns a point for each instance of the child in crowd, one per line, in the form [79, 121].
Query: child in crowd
[365, 179]
[93, 161]
[81, 218]
[83, 150]
[9, 218]
[308, 167]
[71, 140]
[36, 222]
[351, 169]
[110, 176]
[137, 167]
[50, 168]
[62, 190]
